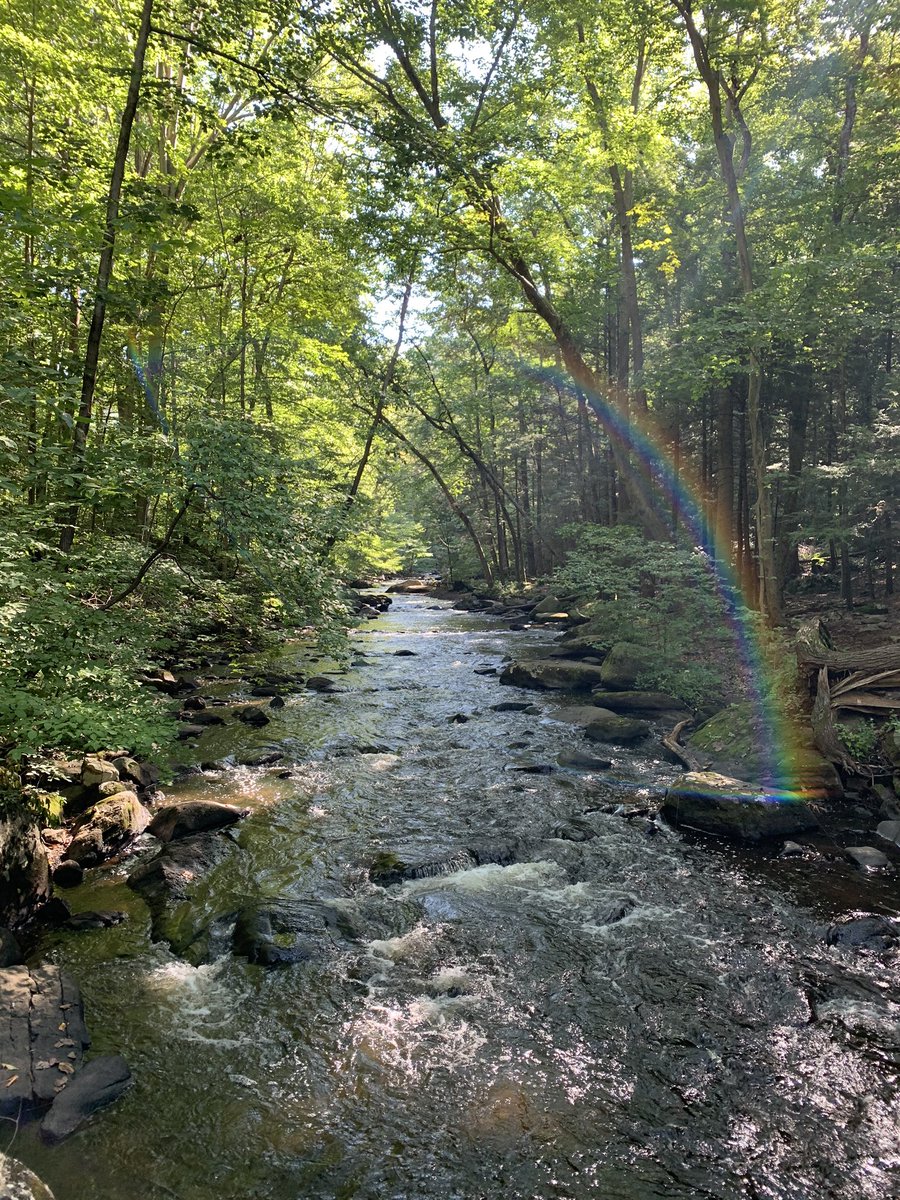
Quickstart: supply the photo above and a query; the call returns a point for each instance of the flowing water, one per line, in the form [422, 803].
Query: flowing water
[621, 1018]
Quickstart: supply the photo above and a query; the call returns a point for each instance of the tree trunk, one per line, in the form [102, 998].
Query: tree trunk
[104, 276]
[769, 596]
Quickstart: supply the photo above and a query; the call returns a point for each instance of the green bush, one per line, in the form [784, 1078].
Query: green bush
[660, 594]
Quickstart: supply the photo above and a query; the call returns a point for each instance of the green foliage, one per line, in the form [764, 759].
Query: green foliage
[860, 738]
[656, 593]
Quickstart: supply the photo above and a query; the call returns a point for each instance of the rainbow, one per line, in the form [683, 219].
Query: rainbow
[683, 494]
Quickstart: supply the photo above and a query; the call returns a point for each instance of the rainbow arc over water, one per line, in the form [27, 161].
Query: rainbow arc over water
[676, 488]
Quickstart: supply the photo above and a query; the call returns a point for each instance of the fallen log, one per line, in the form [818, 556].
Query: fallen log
[686, 757]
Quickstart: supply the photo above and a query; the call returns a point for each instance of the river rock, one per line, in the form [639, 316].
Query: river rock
[636, 701]
[204, 718]
[579, 647]
[890, 831]
[624, 664]
[98, 1084]
[253, 716]
[577, 760]
[868, 857]
[193, 816]
[863, 933]
[410, 587]
[18, 1183]
[322, 683]
[512, 706]
[734, 809]
[142, 775]
[736, 743]
[187, 732]
[552, 675]
[162, 681]
[41, 1026]
[94, 919]
[97, 770]
[68, 874]
[266, 757]
[607, 726]
[387, 869]
[24, 870]
[168, 883]
[104, 790]
[267, 935]
[105, 827]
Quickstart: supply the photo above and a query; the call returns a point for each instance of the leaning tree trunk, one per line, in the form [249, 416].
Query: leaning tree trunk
[104, 276]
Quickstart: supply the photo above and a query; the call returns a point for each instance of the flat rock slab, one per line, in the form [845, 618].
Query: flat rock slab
[42, 1036]
[734, 809]
[97, 1085]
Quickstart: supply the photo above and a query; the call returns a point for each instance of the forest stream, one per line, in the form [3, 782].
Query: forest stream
[622, 1017]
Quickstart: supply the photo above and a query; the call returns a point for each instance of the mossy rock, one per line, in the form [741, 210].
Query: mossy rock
[624, 665]
[734, 809]
[607, 726]
[556, 675]
[734, 743]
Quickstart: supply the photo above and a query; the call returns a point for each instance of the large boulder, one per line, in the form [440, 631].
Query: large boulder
[734, 809]
[24, 870]
[736, 742]
[579, 647]
[624, 665]
[607, 726]
[193, 816]
[106, 827]
[550, 604]
[555, 676]
[96, 1085]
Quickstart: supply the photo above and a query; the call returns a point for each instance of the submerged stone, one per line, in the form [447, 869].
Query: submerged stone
[732, 808]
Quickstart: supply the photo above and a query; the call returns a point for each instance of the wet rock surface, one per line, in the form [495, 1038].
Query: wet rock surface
[194, 816]
[734, 809]
[42, 1036]
[101, 1082]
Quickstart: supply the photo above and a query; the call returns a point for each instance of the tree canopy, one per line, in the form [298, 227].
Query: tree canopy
[295, 292]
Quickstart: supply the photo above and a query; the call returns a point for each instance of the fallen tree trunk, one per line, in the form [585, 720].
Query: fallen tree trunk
[687, 758]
